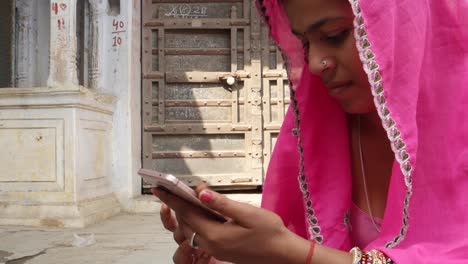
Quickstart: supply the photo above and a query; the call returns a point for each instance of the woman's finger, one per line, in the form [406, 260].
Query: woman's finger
[183, 254]
[179, 236]
[195, 218]
[198, 240]
[188, 233]
[168, 220]
[174, 202]
[205, 258]
[242, 213]
[187, 255]
[209, 237]
[185, 210]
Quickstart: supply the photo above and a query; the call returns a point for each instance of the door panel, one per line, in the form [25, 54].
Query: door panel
[198, 125]
[276, 95]
[195, 124]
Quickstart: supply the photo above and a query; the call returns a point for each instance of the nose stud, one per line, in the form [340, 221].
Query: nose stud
[324, 64]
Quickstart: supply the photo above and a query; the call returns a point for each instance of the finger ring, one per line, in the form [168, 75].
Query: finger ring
[192, 241]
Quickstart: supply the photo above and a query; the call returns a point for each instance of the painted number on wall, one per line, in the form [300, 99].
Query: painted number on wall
[57, 10]
[118, 27]
[187, 11]
[56, 7]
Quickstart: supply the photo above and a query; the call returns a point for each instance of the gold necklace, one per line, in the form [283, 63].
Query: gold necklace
[363, 172]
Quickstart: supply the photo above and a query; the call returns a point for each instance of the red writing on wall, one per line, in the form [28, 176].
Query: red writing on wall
[56, 10]
[118, 27]
[55, 7]
[60, 23]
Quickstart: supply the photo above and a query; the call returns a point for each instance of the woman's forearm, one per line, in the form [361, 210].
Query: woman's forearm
[295, 249]
[328, 255]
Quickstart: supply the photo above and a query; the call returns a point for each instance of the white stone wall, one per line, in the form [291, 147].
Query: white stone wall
[115, 62]
[71, 150]
[125, 83]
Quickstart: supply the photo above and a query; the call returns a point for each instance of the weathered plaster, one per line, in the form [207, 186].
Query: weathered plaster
[63, 44]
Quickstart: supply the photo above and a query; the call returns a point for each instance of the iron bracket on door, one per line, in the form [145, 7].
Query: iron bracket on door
[203, 77]
[230, 80]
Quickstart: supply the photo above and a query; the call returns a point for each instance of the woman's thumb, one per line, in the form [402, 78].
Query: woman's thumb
[239, 212]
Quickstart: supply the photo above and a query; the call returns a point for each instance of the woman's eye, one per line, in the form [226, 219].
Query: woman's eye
[336, 38]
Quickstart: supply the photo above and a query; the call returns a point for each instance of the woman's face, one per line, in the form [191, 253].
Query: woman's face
[326, 29]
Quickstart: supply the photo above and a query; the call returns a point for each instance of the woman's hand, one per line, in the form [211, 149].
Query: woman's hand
[184, 253]
[251, 235]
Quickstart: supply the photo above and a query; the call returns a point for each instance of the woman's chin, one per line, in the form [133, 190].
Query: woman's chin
[353, 107]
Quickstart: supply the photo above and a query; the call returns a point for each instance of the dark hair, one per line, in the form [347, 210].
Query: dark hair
[262, 9]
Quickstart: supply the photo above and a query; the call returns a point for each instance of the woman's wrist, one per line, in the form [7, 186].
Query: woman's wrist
[293, 249]
[327, 255]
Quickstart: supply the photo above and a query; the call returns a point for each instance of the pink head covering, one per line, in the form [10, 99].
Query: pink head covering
[416, 56]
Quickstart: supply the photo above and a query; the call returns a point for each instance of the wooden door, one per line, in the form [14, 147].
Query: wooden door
[203, 109]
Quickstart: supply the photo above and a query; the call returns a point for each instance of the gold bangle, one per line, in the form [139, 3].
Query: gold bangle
[383, 258]
[357, 255]
[378, 257]
[371, 257]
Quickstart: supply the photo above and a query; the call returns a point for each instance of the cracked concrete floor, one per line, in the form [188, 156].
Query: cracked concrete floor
[126, 238]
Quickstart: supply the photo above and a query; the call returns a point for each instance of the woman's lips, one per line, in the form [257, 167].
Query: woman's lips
[335, 88]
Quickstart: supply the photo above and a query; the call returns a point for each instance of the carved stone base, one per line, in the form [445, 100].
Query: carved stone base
[60, 215]
[56, 149]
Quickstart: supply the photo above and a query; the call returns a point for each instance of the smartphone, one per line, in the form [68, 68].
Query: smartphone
[170, 183]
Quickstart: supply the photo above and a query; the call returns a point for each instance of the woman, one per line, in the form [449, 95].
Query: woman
[373, 152]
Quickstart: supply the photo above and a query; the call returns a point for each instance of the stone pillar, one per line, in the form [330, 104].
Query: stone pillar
[63, 44]
[24, 51]
[98, 9]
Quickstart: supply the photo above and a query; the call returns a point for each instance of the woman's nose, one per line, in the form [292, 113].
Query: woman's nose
[319, 62]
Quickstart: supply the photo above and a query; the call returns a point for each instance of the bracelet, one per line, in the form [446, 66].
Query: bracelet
[371, 257]
[311, 252]
[357, 255]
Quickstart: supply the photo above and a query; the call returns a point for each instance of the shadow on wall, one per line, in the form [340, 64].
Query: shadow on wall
[24, 43]
[114, 8]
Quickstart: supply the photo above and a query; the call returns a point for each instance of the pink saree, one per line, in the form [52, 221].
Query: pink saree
[416, 56]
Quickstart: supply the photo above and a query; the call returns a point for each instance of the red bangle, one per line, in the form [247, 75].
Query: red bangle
[311, 252]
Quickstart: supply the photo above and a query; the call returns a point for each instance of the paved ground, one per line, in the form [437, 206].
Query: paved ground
[125, 238]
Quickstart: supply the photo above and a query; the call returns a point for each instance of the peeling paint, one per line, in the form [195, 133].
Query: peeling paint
[63, 64]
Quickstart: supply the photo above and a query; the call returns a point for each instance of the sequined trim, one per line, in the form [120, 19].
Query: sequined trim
[371, 67]
[312, 221]
[294, 132]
